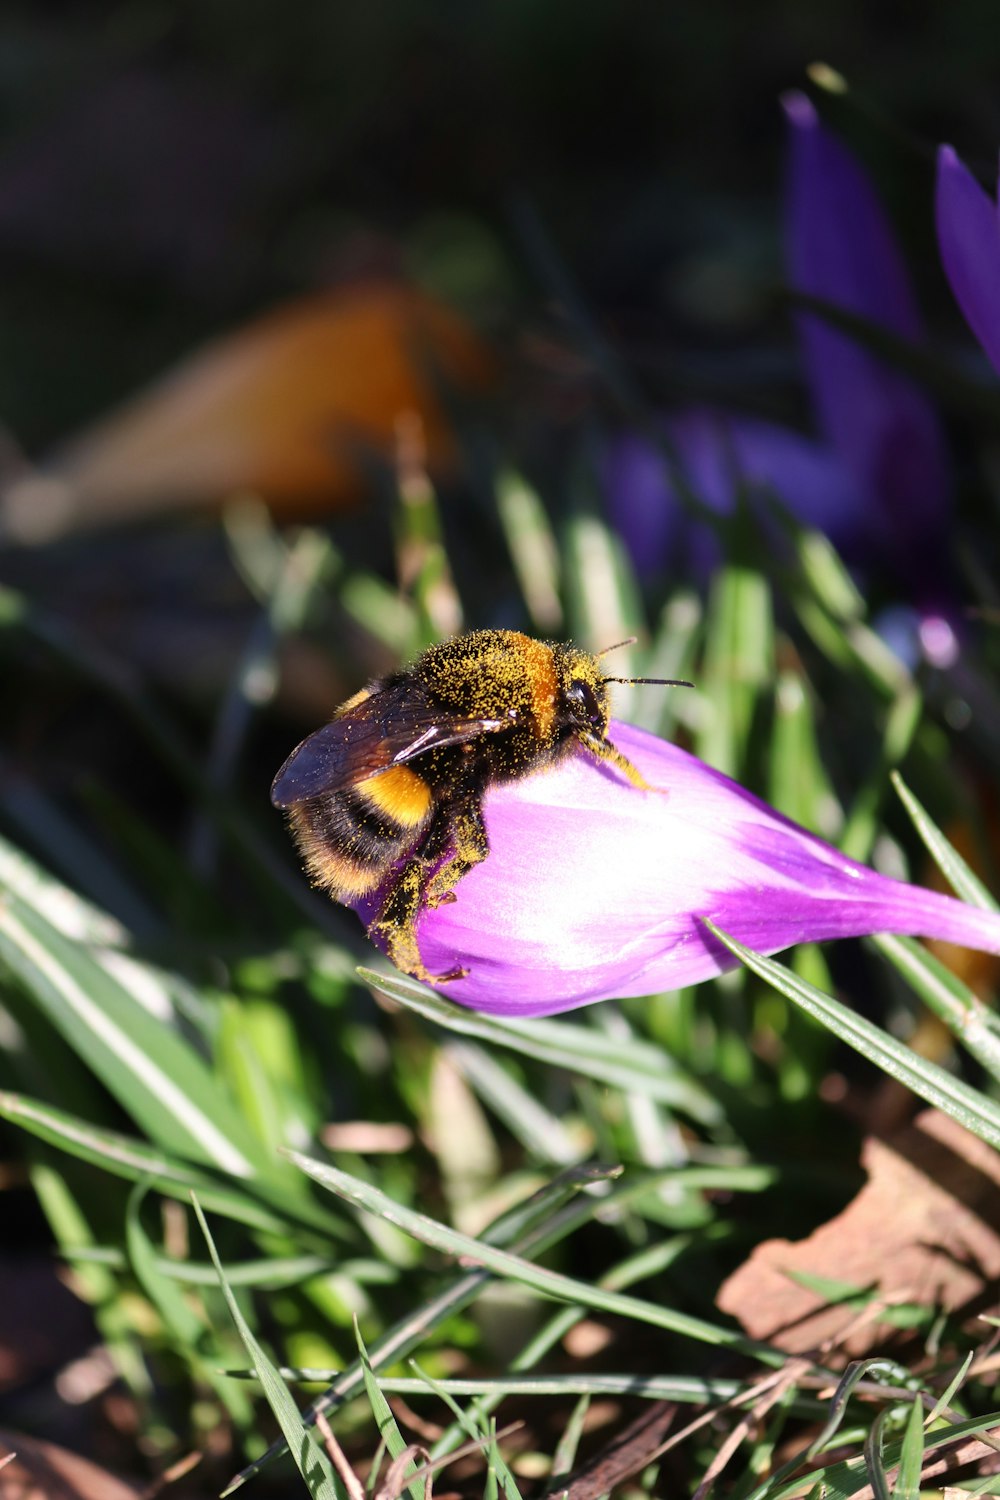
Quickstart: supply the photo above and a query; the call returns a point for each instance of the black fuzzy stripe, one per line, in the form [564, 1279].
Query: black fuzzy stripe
[348, 822]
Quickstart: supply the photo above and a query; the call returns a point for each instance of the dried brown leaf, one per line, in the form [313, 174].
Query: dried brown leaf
[925, 1228]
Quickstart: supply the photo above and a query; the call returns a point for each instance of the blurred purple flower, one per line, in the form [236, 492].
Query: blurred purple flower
[878, 482]
[841, 250]
[593, 889]
[968, 229]
[722, 454]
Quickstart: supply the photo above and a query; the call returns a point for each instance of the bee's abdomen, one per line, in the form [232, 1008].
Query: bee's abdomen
[351, 838]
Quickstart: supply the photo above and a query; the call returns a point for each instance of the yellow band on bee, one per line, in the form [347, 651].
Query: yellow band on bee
[400, 794]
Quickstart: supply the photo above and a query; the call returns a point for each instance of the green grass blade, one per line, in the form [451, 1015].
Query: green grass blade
[67, 911]
[564, 1456]
[389, 1432]
[951, 1390]
[739, 663]
[539, 1221]
[533, 550]
[798, 784]
[313, 1463]
[541, 1132]
[127, 1157]
[503, 1263]
[948, 860]
[874, 1460]
[182, 1324]
[840, 1481]
[964, 1104]
[604, 605]
[970, 1021]
[672, 654]
[903, 719]
[911, 1458]
[635, 1066]
[153, 1073]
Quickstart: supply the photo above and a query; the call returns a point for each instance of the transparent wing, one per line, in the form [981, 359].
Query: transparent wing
[386, 729]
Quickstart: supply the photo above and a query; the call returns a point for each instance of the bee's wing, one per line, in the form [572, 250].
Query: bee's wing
[386, 729]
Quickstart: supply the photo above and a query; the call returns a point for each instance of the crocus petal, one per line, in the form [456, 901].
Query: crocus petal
[593, 889]
[968, 233]
[841, 249]
[722, 453]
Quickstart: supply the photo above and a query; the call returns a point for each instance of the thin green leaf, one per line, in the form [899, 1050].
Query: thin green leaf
[269, 1273]
[911, 1459]
[136, 1162]
[948, 860]
[970, 1021]
[863, 822]
[389, 1432]
[549, 1283]
[857, 1370]
[311, 1460]
[636, 1066]
[568, 1445]
[964, 1104]
[153, 1073]
[693, 1390]
[541, 1132]
[648, 1262]
[874, 1462]
[473, 1424]
[532, 548]
[604, 603]
[672, 654]
[68, 1210]
[739, 663]
[65, 909]
[798, 785]
[182, 1324]
[541, 1220]
[951, 1390]
[81, 859]
[842, 1480]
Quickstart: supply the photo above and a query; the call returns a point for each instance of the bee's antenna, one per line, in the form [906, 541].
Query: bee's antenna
[629, 641]
[653, 681]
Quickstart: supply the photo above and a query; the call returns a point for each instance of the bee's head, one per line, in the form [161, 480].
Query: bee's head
[583, 691]
[584, 700]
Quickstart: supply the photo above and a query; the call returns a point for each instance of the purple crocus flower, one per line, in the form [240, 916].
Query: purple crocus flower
[723, 454]
[841, 249]
[968, 229]
[876, 480]
[594, 889]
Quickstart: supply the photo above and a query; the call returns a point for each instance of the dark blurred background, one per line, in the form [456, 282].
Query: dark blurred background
[168, 169]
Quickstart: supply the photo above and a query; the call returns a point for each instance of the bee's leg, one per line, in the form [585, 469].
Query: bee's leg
[468, 846]
[461, 835]
[396, 925]
[417, 889]
[604, 750]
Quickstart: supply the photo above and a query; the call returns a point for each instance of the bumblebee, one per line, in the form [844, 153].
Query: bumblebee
[390, 792]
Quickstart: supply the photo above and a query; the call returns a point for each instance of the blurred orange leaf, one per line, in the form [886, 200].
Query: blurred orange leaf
[925, 1228]
[286, 407]
[42, 1471]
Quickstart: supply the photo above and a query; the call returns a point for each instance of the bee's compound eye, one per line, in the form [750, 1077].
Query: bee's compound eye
[582, 693]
